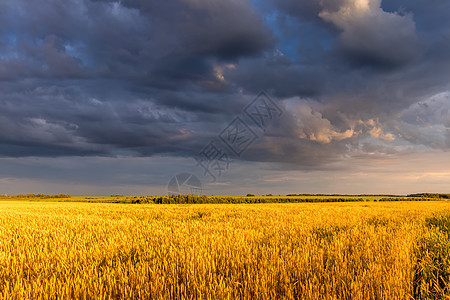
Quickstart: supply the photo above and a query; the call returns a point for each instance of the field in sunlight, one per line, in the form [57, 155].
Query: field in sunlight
[356, 250]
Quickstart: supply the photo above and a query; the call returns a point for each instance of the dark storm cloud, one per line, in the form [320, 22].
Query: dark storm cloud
[100, 77]
[173, 40]
[372, 36]
[366, 34]
[284, 77]
[164, 77]
[385, 58]
[51, 119]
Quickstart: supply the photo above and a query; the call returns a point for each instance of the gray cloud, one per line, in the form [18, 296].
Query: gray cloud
[370, 35]
[143, 78]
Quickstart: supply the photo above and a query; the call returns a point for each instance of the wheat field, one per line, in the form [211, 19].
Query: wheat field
[361, 250]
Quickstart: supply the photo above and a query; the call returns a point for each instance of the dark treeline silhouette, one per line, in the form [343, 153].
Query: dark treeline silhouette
[41, 196]
[431, 195]
[250, 198]
[198, 199]
[345, 195]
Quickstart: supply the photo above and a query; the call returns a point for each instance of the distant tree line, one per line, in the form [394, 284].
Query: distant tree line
[343, 195]
[250, 198]
[40, 196]
[199, 199]
[431, 195]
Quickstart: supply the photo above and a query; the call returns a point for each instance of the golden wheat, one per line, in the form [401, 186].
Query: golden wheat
[361, 250]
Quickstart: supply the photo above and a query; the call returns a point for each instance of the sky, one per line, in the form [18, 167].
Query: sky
[101, 97]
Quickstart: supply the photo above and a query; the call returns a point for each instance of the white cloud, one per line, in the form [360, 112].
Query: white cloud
[371, 33]
[426, 122]
[313, 126]
[376, 130]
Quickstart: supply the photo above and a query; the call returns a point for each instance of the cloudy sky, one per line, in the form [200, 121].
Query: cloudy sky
[104, 97]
